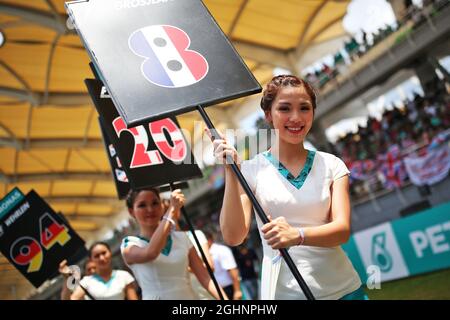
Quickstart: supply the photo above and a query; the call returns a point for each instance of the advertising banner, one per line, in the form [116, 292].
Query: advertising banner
[404, 247]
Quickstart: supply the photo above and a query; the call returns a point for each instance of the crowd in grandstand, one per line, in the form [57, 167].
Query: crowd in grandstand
[353, 49]
[374, 153]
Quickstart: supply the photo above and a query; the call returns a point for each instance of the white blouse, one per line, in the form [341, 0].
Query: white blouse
[304, 201]
[113, 289]
[166, 277]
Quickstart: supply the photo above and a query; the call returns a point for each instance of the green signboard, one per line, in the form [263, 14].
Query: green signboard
[10, 201]
[403, 247]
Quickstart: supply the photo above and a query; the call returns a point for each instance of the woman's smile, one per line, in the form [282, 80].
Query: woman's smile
[295, 129]
[151, 216]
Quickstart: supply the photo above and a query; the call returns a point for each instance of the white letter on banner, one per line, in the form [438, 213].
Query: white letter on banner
[436, 239]
[374, 278]
[419, 242]
[446, 226]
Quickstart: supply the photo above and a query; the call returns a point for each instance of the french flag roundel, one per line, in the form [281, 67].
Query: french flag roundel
[168, 61]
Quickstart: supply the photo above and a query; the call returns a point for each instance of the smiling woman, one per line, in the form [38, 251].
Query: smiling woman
[51, 148]
[105, 283]
[295, 102]
[304, 192]
[160, 256]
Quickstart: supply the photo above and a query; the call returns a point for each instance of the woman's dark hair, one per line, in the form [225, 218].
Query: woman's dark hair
[98, 243]
[209, 235]
[272, 88]
[132, 194]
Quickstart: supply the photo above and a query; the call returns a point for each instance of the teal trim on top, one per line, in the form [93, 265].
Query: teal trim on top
[295, 181]
[166, 250]
[106, 283]
[143, 238]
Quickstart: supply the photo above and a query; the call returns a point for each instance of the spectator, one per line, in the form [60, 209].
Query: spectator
[245, 258]
[89, 269]
[160, 255]
[105, 283]
[225, 268]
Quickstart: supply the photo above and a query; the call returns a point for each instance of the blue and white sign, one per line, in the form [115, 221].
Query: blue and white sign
[168, 61]
[405, 247]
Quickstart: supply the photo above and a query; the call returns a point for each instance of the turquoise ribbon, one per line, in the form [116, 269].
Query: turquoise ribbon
[166, 250]
[295, 181]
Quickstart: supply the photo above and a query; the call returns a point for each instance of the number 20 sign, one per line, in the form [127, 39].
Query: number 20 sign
[151, 155]
[141, 155]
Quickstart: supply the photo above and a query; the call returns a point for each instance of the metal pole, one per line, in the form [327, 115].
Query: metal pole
[202, 253]
[259, 210]
[87, 292]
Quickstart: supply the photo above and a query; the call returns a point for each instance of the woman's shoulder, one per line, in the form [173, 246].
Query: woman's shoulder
[123, 275]
[181, 235]
[86, 278]
[326, 157]
[198, 233]
[181, 238]
[120, 272]
[332, 164]
[133, 240]
[257, 160]
[256, 157]
[89, 280]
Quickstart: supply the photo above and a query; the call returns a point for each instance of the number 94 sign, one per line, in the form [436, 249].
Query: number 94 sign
[27, 251]
[36, 239]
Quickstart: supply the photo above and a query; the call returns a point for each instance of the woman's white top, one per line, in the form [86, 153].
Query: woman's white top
[223, 262]
[304, 201]
[166, 277]
[114, 289]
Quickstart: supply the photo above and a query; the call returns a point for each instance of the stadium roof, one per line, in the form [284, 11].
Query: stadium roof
[42, 68]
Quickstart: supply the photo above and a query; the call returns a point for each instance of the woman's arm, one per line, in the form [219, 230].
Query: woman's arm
[235, 215]
[65, 272]
[130, 292]
[208, 256]
[66, 294]
[135, 254]
[78, 294]
[279, 234]
[337, 231]
[236, 212]
[197, 266]
[234, 274]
